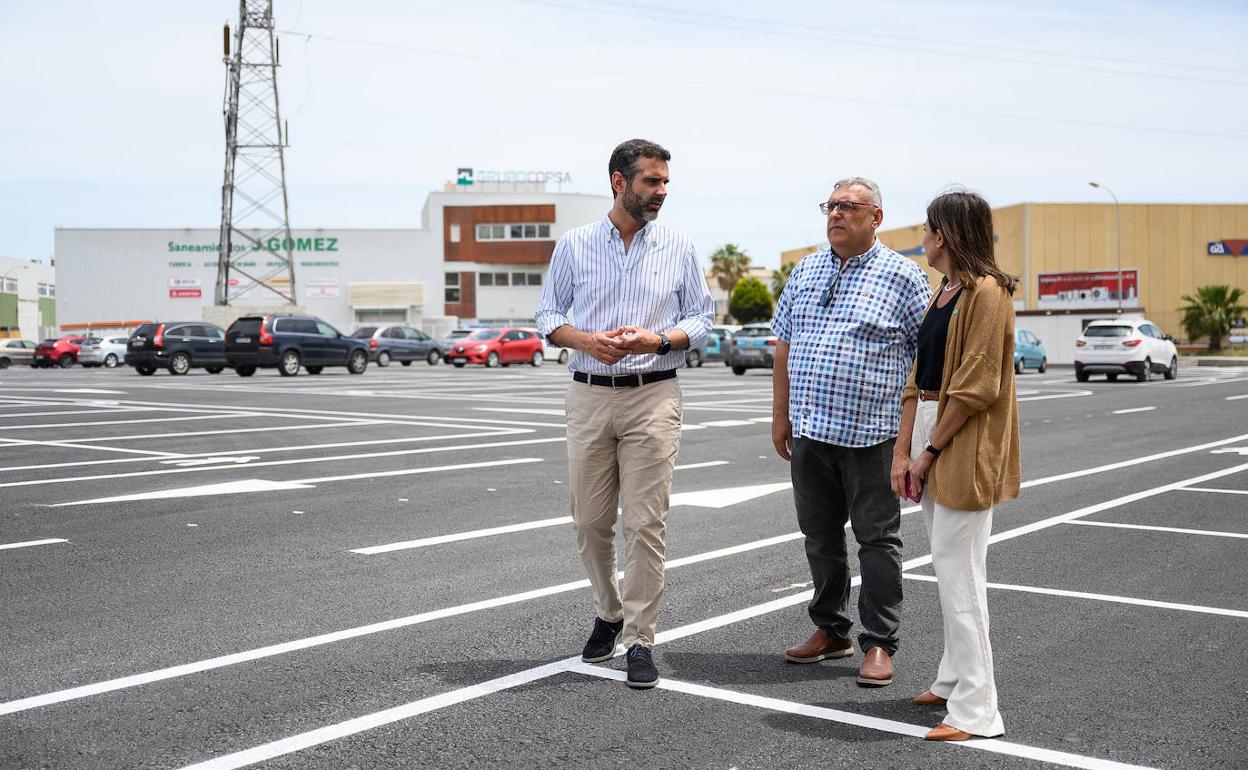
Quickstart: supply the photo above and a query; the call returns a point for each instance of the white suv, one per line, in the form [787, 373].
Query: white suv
[1125, 346]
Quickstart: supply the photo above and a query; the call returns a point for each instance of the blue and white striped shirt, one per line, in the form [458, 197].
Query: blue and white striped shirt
[657, 284]
[852, 334]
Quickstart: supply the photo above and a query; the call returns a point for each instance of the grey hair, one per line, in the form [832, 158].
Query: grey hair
[872, 187]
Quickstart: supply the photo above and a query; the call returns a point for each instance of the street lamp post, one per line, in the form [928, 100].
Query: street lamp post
[1118, 216]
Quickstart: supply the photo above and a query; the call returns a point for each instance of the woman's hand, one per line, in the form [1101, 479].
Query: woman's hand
[920, 465]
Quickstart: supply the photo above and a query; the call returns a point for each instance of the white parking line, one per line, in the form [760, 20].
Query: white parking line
[552, 412]
[47, 426]
[1136, 409]
[1212, 489]
[458, 536]
[994, 745]
[727, 423]
[691, 466]
[1100, 597]
[28, 543]
[148, 454]
[1149, 528]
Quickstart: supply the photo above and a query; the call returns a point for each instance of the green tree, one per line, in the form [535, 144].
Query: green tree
[750, 301]
[1211, 312]
[728, 264]
[781, 277]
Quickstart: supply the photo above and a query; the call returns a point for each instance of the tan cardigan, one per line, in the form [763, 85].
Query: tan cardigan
[980, 466]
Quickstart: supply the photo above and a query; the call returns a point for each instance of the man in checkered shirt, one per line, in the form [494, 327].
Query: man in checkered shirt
[847, 324]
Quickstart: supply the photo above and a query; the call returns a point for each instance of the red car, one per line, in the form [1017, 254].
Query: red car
[62, 352]
[498, 347]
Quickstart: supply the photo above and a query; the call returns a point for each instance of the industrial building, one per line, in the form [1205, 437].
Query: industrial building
[480, 255]
[1072, 260]
[27, 299]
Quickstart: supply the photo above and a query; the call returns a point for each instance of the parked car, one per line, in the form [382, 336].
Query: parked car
[753, 346]
[62, 352]
[395, 342]
[451, 337]
[288, 342]
[102, 351]
[715, 347]
[551, 351]
[498, 347]
[16, 352]
[1125, 346]
[1029, 352]
[178, 346]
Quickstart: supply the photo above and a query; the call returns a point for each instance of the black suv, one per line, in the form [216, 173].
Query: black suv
[288, 342]
[177, 346]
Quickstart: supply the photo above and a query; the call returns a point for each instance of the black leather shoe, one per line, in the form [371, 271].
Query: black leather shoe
[601, 644]
[642, 673]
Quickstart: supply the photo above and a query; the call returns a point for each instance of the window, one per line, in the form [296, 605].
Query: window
[535, 279]
[393, 333]
[510, 279]
[379, 316]
[452, 288]
[324, 329]
[47, 290]
[520, 231]
[500, 279]
[517, 279]
[485, 279]
[454, 233]
[9, 286]
[414, 334]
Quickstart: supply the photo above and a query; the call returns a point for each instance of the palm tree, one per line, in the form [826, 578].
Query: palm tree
[781, 277]
[1211, 312]
[728, 264]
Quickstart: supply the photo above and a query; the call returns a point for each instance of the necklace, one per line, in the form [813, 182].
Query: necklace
[953, 286]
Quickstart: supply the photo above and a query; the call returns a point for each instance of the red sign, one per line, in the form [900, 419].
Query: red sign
[1087, 289]
[186, 293]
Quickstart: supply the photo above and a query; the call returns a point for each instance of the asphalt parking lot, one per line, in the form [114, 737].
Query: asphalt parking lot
[379, 571]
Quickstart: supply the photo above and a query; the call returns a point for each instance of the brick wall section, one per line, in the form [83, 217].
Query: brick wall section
[495, 252]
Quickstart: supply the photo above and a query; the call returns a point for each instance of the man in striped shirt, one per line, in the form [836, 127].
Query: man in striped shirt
[629, 297]
[847, 324]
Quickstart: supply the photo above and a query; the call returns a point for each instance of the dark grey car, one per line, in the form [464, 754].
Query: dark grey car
[395, 342]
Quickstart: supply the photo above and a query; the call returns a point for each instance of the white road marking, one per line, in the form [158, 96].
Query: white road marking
[91, 390]
[1067, 394]
[1136, 409]
[247, 486]
[722, 498]
[73, 411]
[1177, 530]
[28, 543]
[727, 423]
[47, 426]
[689, 426]
[1236, 398]
[551, 412]
[1212, 489]
[760, 419]
[691, 466]
[1233, 450]
[217, 460]
[148, 454]
[470, 535]
[1101, 597]
[994, 745]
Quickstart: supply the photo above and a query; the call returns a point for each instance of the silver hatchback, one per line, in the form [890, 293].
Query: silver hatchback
[396, 342]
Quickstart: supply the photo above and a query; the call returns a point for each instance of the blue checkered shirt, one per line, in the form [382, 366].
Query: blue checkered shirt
[848, 360]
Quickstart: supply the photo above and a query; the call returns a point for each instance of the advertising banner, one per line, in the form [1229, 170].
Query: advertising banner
[186, 293]
[183, 283]
[1087, 289]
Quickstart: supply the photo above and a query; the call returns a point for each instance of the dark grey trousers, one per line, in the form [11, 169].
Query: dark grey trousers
[834, 484]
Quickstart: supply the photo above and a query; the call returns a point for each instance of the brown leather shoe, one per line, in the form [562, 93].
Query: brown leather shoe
[943, 732]
[929, 698]
[819, 647]
[876, 669]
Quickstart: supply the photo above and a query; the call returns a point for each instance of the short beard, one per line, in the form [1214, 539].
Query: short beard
[637, 207]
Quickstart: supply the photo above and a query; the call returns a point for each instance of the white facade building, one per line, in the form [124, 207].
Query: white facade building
[478, 256]
[27, 299]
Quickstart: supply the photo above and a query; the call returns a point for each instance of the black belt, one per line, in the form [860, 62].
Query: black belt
[624, 380]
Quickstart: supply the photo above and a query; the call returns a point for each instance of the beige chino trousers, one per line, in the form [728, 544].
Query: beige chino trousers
[622, 445]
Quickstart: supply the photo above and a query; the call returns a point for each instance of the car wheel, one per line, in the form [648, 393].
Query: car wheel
[180, 363]
[459, 365]
[1080, 374]
[314, 369]
[288, 366]
[1111, 378]
[538, 358]
[693, 358]
[110, 361]
[1147, 374]
[65, 361]
[563, 356]
[146, 371]
[1044, 365]
[434, 357]
[214, 369]
[358, 362]
[738, 370]
[1173, 371]
[245, 371]
[492, 359]
[383, 358]
[1018, 365]
[4, 363]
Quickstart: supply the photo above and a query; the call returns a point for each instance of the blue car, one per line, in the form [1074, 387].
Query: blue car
[1028, 352]
[715, 347]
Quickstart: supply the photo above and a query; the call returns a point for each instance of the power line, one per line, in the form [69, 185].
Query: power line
[631, 76]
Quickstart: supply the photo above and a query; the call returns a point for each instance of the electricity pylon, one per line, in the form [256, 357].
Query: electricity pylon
[255, 167]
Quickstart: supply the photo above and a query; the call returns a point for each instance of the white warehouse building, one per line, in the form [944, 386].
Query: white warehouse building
[481, 255]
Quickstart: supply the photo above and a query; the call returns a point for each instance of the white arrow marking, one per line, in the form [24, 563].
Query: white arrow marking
[208, 461]
[722, 498]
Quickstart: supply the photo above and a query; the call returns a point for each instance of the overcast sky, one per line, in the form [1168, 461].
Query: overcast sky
[113, 110]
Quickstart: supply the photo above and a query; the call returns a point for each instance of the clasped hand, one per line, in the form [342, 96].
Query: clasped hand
[612, 346]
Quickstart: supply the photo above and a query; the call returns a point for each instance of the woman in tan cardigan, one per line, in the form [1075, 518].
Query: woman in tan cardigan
[959, 421]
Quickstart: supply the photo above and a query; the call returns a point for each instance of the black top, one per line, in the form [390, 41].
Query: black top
[932, 334]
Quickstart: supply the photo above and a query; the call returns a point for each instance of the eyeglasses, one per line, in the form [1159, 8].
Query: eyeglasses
[843, 207]
[830, 293]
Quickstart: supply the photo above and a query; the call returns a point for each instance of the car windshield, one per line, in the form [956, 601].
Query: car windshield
[758, 332]
[1107, 331]
[364, 332]
[485, 334]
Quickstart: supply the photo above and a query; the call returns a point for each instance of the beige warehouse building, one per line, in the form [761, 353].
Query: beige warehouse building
[1067, 257]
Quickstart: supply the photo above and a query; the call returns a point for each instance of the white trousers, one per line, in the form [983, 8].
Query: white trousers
[959, 541]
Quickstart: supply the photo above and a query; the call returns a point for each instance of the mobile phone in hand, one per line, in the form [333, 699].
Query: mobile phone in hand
[914, 491]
